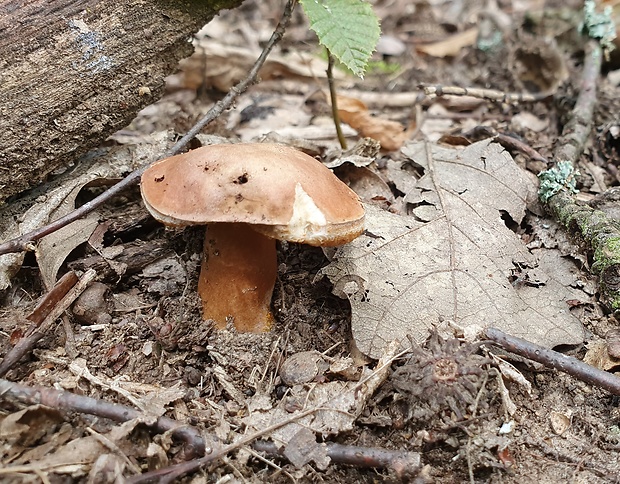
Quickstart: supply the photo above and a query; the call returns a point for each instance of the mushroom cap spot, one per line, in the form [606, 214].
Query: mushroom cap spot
[283, 192]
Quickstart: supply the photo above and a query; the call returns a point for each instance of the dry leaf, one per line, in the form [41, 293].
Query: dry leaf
[527, 121]
[365, 182]
[55, 202]
[598, 356]
[303, 448]
[341, 403]
[455, 258]
[26, 427]
[222, 66]
[450, 46]
[53, 249]
[539, 64]
[354, 112]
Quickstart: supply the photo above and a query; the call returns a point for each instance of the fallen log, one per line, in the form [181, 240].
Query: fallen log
[74, 71]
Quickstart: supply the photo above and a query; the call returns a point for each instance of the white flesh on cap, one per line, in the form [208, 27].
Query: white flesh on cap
[307, 218]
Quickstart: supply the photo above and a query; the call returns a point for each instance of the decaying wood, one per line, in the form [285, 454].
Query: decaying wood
[134, 257]
[74, 71]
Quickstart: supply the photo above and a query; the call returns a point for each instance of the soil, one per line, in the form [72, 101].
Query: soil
[143, 329]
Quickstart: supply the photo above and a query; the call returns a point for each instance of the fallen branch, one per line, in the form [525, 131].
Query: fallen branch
[70, 402]
[26, 241]
[600, 233]
[402, 462]
[558, 361]
[38, 331]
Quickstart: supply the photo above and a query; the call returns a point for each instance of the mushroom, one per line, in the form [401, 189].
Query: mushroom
[248, 195]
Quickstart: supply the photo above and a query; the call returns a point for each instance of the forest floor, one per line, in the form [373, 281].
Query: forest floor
[137, 337]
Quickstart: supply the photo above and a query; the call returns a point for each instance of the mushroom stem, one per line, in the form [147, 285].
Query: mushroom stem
[238, 273]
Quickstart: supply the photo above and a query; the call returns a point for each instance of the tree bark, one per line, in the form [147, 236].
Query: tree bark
[74, 71]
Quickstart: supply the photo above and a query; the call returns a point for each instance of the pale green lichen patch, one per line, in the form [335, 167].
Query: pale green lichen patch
[560, 177]
[600, 26]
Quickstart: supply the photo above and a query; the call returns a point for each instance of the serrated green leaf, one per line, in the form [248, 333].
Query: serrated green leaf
[349, 29]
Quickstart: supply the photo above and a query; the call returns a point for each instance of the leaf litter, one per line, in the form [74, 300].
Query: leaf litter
[454, 258]
[445, 202]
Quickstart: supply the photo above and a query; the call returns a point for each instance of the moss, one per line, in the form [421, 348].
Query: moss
[199, 7]
[606, 254]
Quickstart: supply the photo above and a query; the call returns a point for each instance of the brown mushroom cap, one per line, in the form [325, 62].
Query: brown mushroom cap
[282, 192]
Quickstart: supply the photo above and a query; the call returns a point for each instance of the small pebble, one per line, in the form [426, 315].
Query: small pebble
[613, 343]
[301, 368]
[94, 305]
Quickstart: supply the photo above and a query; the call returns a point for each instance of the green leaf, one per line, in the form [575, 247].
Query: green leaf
[349, 29]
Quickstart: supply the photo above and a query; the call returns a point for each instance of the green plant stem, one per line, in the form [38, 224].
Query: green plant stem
[334, 98]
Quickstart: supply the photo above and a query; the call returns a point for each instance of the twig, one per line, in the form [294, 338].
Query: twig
[169, 474]
[510, 142]
[404, 463]
[25, 242]
[51, 299]
[577, 130]
[558, 361]
[488, 94]
[67, 401]
[70, 348]
[25, 344]
[334, 99]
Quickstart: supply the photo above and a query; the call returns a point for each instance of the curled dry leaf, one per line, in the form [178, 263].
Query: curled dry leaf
[354, 112]
[56, 246]
[53, 249]
[598, 356]
[455, 258]
[451, 46]
[539, 65]
[221, 66]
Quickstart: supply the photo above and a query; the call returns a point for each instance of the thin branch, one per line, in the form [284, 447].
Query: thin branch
[558, 361]
[512, 143]
[25, 242]
[404, 463]
[37, 332]
[577, 130]
[70, 402]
